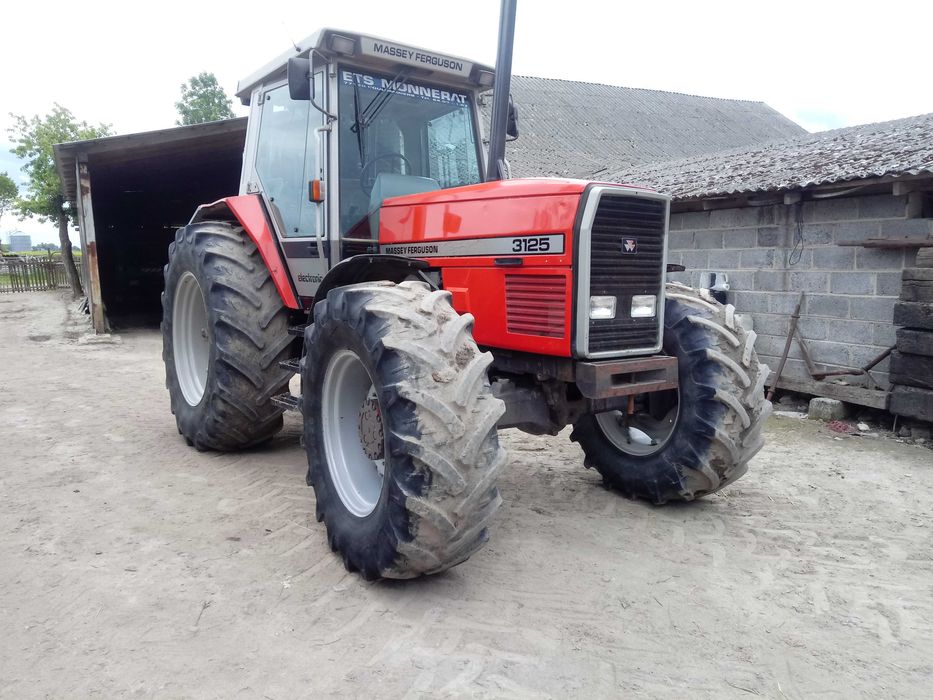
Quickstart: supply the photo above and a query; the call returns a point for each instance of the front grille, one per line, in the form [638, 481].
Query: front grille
[623, 275]
[536, 305]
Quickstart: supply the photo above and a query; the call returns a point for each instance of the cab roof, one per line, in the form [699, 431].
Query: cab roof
[370, 50]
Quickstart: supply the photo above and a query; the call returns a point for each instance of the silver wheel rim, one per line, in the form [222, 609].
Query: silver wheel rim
[645, 435]
[347, 394]
[190, 338]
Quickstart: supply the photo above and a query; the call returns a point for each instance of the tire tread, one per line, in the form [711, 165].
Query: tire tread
[249, 331]
[440, 422]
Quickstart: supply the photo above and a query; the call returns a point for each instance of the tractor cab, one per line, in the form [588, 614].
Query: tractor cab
[345, 122]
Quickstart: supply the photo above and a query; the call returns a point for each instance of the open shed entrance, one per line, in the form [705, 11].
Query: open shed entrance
[132, 192]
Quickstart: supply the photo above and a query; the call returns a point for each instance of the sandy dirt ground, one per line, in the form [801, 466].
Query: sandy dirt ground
[132, 565]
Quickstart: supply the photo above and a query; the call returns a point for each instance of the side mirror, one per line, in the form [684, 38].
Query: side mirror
[511, 126]
[298, 72]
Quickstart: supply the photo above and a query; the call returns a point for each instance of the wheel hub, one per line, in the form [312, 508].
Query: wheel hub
[354, 436]
[190, 338]
[370, 427]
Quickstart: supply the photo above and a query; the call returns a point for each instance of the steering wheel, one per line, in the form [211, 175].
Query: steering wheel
[368, 172]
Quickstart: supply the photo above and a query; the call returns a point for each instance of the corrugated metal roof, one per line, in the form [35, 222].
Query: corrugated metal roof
[575, 129]
[895, 148]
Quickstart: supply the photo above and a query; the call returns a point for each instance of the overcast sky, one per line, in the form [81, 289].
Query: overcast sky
[823, 63]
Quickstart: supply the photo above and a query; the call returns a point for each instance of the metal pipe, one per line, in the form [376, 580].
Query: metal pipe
[495, 164]
[812, 369]
[790, 339]
[819, 376]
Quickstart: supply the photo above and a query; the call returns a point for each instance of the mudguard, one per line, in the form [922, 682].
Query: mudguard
[249, 212]
[370, 268]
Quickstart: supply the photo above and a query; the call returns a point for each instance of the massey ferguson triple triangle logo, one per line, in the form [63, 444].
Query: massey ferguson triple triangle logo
[630, 246]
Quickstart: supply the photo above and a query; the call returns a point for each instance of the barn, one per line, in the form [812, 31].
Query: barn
[834, 220]
[131, 192]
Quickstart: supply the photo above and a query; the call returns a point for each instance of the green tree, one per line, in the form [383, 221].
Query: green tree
[202, 100]
[33, 139]
[8, 193]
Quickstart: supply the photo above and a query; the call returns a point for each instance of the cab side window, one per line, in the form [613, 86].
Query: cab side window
[285, 160]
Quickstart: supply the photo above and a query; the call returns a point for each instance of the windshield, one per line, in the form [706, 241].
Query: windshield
[389, 124]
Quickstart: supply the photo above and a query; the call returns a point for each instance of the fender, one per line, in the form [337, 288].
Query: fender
[371, 268]
[248, 211]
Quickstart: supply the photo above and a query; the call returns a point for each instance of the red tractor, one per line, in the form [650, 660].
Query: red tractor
[427, 301]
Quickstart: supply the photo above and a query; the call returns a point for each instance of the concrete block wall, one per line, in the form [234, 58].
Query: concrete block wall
[847, 316]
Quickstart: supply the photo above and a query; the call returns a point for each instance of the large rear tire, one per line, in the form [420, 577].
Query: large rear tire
[224, 331]
[400, 429]
[704, 436]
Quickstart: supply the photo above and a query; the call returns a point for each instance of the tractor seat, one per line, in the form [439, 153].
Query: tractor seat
[389, 185]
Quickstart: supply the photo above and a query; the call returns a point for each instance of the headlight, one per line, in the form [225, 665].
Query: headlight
[643, 306]
[602, 307]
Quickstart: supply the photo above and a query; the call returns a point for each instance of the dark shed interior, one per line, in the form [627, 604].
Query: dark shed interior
[142, 188]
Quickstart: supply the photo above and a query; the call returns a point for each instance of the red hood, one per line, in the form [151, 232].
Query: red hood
[498, 189]
[502, 189]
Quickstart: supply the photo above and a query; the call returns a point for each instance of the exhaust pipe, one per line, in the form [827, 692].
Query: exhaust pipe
[495, 164]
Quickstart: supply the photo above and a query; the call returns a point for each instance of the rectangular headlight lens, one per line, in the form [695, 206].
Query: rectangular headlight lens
[602, 307]
[342, 45]
[643, 306]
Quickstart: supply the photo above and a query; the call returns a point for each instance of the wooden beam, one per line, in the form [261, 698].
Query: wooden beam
[872, 398]
[900, 188]
[915, 204]
[912, 402]
[864, 182]
[162, 137]
[724, 203]
[89, 244]
[904, 242]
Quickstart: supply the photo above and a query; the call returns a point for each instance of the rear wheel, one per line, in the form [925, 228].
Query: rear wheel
[224, 331]
[684, 444]
[400, 429]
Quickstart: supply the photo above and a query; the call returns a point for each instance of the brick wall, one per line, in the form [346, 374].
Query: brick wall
[851, 291]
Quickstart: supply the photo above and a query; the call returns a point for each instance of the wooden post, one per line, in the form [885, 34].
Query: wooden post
[914, 205]
[89, 244]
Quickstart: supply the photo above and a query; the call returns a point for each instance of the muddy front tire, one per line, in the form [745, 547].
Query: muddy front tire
[711, 430]
[224, 331]
[400, 429]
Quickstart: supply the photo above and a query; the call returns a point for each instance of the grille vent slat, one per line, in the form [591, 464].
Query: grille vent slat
[614, 273]
[536, 305]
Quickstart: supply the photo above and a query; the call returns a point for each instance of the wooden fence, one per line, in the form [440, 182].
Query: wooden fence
[31, 274]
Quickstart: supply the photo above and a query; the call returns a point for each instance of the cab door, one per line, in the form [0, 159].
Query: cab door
[289, 155]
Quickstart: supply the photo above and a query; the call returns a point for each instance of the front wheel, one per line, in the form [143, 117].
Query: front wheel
[693, 441]
[400, 429]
